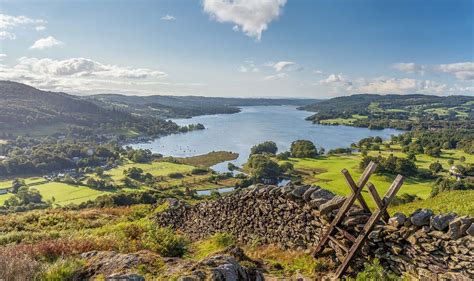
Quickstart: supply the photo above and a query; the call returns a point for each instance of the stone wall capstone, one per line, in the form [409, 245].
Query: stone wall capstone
[433, 247]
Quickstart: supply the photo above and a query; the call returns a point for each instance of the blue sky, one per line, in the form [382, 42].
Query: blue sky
[274, 48]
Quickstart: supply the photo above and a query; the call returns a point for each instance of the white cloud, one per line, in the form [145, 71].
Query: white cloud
[81, 75]
[282, 65]
[8, 21]
[45, 43]
[318, 72]
[40, 28]
[409, 67]
[2, 56]
[277, 76]
[84, 67]
[250, 16]
[248, 66]
[383, 85]
[461, 70]
[7, 35]
[168, 17]
[336, 79]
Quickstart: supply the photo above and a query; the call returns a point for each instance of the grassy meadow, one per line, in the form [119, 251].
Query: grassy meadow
[325, 171]
[62, 194]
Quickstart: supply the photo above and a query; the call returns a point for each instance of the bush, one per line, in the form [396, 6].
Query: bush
[62, 269]
[200, 171]
[375, 271]
[165, 242]
[176, 175]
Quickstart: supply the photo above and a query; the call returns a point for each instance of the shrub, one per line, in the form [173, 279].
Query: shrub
[165, 242]
[176, 175]
[15, 265]
[375, 271]
[62, 269]
[200, 171]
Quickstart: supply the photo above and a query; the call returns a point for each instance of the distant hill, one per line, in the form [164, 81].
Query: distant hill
[396, 111]
[24, 108]
[185, 106]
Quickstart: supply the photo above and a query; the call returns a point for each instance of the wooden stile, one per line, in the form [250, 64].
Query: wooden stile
[380, 213]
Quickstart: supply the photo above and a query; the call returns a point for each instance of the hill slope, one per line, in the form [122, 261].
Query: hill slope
[24, 107]
[398, 111]
[185, 106]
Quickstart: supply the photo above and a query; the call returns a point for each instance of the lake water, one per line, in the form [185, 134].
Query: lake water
[255, 124]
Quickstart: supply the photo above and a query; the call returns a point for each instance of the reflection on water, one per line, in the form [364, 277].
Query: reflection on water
[255, 124]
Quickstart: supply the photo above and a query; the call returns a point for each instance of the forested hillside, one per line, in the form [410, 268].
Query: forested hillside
[185, 106]
[395, 111]
[26, 110]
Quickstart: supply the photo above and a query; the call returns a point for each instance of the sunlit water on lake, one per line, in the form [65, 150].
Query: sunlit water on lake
[253, 125]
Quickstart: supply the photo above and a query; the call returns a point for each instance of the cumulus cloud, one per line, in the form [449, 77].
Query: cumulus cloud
[7, 35]
[383, 85]
[82, 75]
[336, 79]
[40, 28]
[282, 65]
[460, 70]
[9, 22]
[45, 43]
[168, 17]
[410, 67]
[84, 67]
[249, 16]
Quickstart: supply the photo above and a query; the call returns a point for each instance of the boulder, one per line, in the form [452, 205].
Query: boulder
[421, 217]
[459, 227]
[322, 193]
[316, 203]
[335, 203]
[441, 222]
[299, 191]
[470, 230]
[125, 277]
[307, 194]
[397, 220]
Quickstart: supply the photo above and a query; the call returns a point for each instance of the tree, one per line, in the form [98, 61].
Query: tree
[268, 147]
[262, 167]
[16, 184]
[99, 171]
[303, 149]
[286, 167]
[436, 167]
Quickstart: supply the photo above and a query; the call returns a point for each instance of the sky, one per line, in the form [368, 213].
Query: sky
[240, 48]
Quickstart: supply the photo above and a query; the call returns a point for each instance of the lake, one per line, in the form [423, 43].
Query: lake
[255, 124]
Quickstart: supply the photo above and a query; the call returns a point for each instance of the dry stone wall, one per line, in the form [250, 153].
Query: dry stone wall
[437, 247]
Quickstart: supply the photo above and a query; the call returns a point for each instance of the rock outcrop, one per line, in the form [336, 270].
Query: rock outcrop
[295, 216]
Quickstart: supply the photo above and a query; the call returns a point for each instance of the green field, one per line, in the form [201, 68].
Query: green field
[326, 172]
[66, 193]
[458, 201]
[157, 169]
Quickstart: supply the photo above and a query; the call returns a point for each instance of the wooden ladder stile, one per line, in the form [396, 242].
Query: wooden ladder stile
[380, 214]
[369, 226]
[356, 190]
